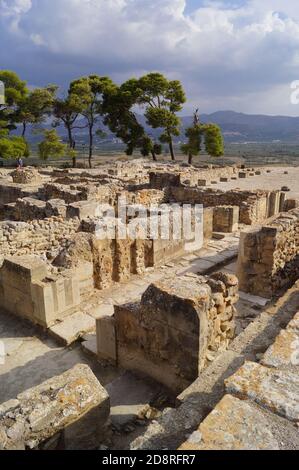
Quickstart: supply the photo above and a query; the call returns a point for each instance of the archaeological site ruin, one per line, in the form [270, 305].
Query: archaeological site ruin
[149, 340]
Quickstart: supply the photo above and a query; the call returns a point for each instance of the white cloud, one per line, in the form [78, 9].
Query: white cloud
[225, 55]
[13, 11]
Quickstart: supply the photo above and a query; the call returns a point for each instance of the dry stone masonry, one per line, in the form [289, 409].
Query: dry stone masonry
[200, 346]
[269, 255]
[176, 330]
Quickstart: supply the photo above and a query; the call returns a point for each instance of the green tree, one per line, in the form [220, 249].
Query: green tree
[36, 106]
[211, 133]
[194, 135]
[51, 146]
[91, 91]
[12, 147]
[118, 109]
[67, 111]
[16, 92]
[162, 99]
[213, 140]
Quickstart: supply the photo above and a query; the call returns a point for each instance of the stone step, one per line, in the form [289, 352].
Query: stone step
[284, 351]
[274, 389]
[233, 425]
[72, 328]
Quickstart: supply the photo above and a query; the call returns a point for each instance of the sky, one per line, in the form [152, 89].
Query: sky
[239, 55]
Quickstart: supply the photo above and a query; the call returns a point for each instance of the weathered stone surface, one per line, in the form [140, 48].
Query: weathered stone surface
[178, 327]
[73, 327]
[274, 389]
[74, 404]
[28, 290]
[226, 219]
[269, 256]
[284, 351]
[26, 176]
[294, 324]
[232, 425]
[194, 403]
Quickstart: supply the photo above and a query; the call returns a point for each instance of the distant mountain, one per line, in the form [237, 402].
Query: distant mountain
[236, 127]
[239, 127]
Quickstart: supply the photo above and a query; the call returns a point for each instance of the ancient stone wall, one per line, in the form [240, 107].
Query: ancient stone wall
[255, 206]
[29, 291]
[176, 329]
[226, 219]
[67, 412]
[269, 255]
[26, 176]
[45, 238]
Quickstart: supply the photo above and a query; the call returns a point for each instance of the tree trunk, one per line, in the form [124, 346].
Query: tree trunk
[24, 129]
[71, 145]
[190, 158]
[90, 147]
[171, 149]
[154, 156]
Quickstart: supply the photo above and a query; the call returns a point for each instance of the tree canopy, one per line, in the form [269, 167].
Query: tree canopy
[51, 146]
[142, 112]
[210, 133]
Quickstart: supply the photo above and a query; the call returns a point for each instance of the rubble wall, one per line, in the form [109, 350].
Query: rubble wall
[269, 255]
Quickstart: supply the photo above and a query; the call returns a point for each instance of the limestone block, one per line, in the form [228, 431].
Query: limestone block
[176, 329]
[106, 339]
[28, 291]
[284, 351]
[294, 324]
[82, 209]
[226, 218]
[274, 389]
[72, 408]
[73, 327]
[208, 214]
[233, 425]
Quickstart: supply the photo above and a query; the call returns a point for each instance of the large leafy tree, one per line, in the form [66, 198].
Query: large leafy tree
[35, 106]
[118, 108]
[91, 92]
[16, 92]
[162, 99]
[67, 111]
[12, 147]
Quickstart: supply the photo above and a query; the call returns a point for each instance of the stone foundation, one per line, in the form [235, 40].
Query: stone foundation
[269, 256]
[27, 290]
[176, 329]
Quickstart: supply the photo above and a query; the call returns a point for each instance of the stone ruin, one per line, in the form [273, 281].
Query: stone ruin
[213, 327]
[269, 257]
[64, 413]
[176, 329]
